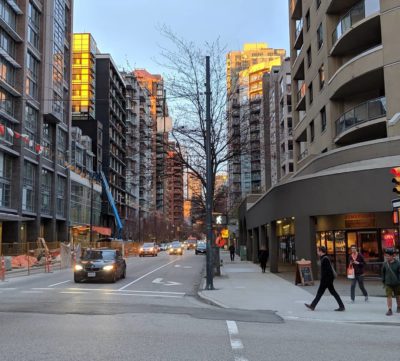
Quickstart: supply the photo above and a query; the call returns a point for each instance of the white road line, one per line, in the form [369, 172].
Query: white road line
[74, 292]
[59, 283]
[232, 328]
[141, 295]
[239, 358]
[138, 279]
[31, 292]
[7, 289]
[236, 343]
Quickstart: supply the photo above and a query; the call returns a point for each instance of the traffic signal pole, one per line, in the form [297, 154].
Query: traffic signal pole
[209, 196]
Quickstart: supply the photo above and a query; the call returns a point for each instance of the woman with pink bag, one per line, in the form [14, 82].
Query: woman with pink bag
[355, 272]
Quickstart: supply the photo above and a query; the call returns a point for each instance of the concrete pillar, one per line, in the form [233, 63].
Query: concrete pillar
[305, 240]
[249, 245]
[256, 245]
[263, 244]
[273, 246]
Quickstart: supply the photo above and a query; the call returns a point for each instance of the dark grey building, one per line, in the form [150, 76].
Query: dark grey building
[35, 82]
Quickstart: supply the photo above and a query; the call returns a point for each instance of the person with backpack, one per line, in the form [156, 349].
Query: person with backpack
[328, 275]
[391, 280]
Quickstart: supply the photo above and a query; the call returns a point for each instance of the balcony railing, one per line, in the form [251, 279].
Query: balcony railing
[372, 109]
[299, 27]
[358, 12]
[301, 93]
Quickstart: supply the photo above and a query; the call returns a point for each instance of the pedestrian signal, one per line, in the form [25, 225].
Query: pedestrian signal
[396, 179]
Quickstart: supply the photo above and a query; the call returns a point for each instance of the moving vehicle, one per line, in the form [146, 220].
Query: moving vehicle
[191, 244]
[176, 248]
[148, 249]
[100, 264]
[163, 246]
[201, 248]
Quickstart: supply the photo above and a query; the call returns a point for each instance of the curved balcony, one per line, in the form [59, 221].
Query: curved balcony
[359, 75]
[364, 122]
[358, 29]
[339, 6]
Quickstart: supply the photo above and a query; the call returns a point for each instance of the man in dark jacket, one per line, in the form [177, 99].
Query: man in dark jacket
[357, 262]
[232, 251]
[391, 280]
[263, 258]
[327, 278]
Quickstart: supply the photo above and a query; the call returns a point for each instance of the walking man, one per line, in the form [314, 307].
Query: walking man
[327, 278]
[391, 280]
[263, 258]
[357, 262]
[232, 252]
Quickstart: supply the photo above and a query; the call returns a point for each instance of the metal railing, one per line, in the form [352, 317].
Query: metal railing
[369, 110]
[299, 28]
[358, 12]
[301, 93]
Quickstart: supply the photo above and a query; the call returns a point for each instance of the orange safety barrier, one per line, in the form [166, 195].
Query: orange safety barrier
[3, 269]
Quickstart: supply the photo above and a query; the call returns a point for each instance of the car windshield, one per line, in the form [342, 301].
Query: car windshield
[176, 244]
[201, 245]
[97, 255]
[148, 245]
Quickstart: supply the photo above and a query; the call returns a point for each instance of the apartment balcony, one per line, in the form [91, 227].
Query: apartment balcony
[298, 43]
[358, 29]
[340, 6]
[301, 98]
[366, 121]
[359, 75]
[295, 9]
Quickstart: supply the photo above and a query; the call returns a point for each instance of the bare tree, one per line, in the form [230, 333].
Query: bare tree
[184, 62]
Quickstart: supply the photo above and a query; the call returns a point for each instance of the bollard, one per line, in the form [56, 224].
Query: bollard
[3, 269]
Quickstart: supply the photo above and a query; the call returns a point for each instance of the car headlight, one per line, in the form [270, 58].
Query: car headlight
[109, 267]
[141, 249]
[151, 249]
[78, 267]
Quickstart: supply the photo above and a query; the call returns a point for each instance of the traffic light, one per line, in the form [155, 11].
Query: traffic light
[396, 179]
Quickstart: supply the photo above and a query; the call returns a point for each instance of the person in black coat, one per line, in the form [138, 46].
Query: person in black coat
[263, 258]
[327, 278]
[232, 251]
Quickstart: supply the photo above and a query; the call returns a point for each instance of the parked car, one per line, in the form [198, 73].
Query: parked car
[176, 248]
[100, 264]
[201, 248]
[148, 249]
[163, 246]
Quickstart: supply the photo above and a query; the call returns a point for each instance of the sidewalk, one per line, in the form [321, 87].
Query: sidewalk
[242, 285]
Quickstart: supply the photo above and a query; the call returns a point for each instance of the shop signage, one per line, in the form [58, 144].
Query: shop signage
[359, 220]
[304, 274]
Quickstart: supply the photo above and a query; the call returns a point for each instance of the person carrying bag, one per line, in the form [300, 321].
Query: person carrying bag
[355, 272]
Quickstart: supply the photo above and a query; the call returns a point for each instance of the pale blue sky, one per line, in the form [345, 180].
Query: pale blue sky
[127, 29]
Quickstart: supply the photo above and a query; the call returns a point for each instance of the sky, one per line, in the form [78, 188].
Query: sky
[127, 29]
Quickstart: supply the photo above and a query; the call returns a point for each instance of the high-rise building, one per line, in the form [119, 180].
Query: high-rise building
[245, 70]
[35, 84]
[111, 112]
[345, 66]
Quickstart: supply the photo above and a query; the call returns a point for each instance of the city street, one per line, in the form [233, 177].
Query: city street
[155, 314]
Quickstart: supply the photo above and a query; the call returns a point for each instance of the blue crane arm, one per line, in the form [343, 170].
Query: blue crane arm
[112, 203]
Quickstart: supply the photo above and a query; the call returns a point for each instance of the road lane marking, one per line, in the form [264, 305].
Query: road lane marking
[7, 289]
[166, 283]
[110, 290]
[239, 358]
[31, 292]
[236, 343]
[142, 295]
[59, 283]
[138, 279]
[232, 328]
[75, 292]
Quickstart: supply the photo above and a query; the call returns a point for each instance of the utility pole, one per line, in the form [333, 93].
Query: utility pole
[209, 196]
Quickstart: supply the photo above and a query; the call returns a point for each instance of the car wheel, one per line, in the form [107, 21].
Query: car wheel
[77, 279]
[196, 253]
[113, 277]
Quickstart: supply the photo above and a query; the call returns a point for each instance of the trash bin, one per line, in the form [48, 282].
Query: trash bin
[243, 253]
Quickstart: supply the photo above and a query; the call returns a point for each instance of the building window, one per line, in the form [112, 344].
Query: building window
[31, 121]
[47, 141]
[7, 72]
[321, 74]
[60, 196]
[310, 93]
[6, 102]
[308, 23]
[320, 36]
[28, 190]
[8, 14]
[32, 66]
[312, 131]
[309, 57]
[323, 119]
[61, 146]
[46, 192]
[5, 180]
[7, 43]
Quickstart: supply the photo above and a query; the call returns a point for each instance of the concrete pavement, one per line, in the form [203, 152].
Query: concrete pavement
[243, 286]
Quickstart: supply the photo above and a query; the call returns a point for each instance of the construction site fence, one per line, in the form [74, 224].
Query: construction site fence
[21, 259]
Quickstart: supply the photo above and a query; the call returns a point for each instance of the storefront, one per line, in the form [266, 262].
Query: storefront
[285, 231]
[370, 232]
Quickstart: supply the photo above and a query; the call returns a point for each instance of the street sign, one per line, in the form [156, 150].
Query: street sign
[396, 203]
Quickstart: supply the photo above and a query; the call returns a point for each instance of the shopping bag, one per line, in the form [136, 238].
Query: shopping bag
[350, 272]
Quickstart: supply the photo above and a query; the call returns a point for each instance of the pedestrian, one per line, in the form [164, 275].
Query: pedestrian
[232, 251]
[391, 280]
[357, 262]
[327, 278]
[263, 258]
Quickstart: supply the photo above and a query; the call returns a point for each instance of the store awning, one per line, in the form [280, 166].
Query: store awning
[102, 230]
[14, 217]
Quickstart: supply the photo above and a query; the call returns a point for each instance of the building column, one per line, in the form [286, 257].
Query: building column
[249, 245]
[273, 247]
[305, 242]
[256, 245]
[263, 243]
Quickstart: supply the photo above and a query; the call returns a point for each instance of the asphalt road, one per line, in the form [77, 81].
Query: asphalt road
[154, 314]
